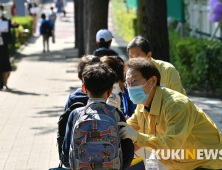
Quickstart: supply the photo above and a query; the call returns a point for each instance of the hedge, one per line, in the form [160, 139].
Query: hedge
[199, 62]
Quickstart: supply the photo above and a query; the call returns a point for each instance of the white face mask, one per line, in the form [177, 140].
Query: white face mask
[1, 13]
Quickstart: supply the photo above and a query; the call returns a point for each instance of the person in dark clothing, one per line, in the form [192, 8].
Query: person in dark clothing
[104, 40]
[45, 30]
[5, 40]
[98, 82]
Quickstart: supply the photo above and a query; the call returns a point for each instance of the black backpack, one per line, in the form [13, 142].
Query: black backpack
[46, 28]
[63, 119]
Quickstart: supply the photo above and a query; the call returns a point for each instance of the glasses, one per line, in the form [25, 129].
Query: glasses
[132, 83]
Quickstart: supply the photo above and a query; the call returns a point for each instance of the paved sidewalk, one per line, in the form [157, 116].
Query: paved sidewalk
[30, 111]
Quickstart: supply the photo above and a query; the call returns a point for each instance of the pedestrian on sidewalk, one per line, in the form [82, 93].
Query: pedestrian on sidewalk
[104, 40]
[59, 5]
[46, 31]
[33, 8]
[63, 9]
[5, 40]
[14, 9]
[52, 17]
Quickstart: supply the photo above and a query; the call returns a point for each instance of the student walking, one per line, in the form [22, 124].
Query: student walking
[46, 31]
[52, 17]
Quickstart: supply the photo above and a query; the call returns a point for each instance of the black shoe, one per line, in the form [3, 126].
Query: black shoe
[43, 51]
[48, 50]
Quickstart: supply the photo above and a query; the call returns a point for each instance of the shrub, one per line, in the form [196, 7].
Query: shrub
[199, 62]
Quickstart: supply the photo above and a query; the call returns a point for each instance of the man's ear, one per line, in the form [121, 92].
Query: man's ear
[84, 88]
[110, 90]
[154, 81]
[110, 43]
[149, 55]
[97, 42]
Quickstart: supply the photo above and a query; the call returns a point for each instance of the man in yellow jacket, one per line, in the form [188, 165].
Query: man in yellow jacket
[165, 119]
[140, 47]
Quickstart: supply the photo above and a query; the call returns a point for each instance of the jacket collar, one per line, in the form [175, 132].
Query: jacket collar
[156, 103]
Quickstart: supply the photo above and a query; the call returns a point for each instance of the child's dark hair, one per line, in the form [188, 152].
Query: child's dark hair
[102, 43]
[90, 59]
[43, 16]
[98, 78]
[116, 63]
[1, 6]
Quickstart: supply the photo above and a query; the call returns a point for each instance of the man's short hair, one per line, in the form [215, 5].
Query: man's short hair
[144, 66]
[116, 63]
[51, 8]
[43, 16]
[86, 60]
[141, 42]
[1, 6]
[98, 78]
[102, 43]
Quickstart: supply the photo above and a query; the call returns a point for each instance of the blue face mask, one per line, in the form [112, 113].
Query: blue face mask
[137, 95]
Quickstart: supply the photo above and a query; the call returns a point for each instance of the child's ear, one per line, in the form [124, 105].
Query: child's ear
[110, 90]
[84, 88]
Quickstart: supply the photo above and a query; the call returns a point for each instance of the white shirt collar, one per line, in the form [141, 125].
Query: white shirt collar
[96, 100]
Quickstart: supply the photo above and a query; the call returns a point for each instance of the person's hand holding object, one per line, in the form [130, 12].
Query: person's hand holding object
[127, 132]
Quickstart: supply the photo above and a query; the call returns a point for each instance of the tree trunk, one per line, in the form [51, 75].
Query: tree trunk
[152, 20]
[80, 28]
[79, 40]
[76, 5]
[85, 22]
[95, 18]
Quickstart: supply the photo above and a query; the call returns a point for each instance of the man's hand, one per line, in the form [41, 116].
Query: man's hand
[127, 132]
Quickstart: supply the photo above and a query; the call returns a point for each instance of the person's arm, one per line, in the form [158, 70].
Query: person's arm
[175, 81]
[180, 119]
[127, 146]
[67, 138]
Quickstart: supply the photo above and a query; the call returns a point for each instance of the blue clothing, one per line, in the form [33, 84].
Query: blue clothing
[43, 21]
[104, 52]
[59, 6]
[127, 145]
[77, 96]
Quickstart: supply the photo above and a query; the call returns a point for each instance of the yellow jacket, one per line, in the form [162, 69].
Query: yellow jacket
[179, 125]
[169, 76]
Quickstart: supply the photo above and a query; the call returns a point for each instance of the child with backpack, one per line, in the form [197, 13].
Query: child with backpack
[92, 132]
[45, 29]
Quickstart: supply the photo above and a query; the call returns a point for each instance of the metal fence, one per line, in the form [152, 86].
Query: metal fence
[198, 19]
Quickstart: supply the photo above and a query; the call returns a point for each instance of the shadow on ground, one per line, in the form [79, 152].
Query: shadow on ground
[18, 92]
[53, 56]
